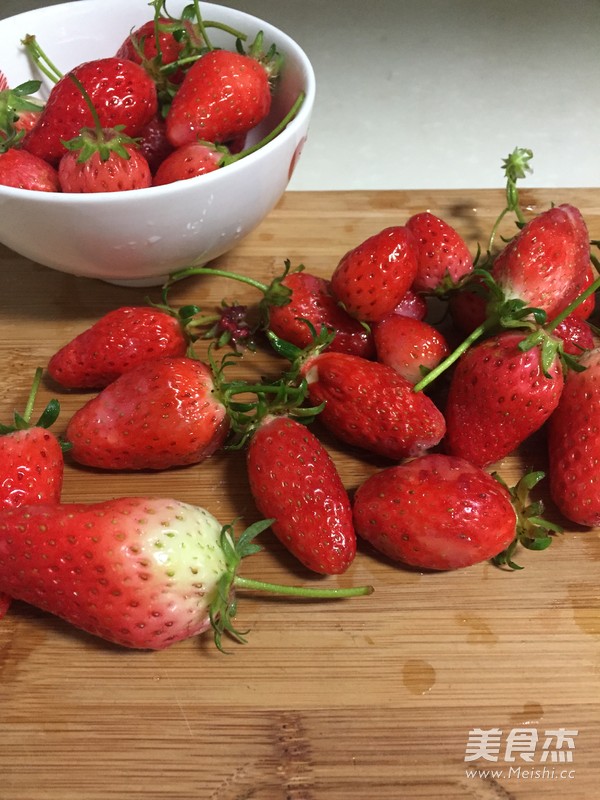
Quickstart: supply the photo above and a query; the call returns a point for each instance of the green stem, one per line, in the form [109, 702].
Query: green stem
[32, 395]
[593, 287]
[301, 591]
[201, 26]
[270, 136]
[187, 272]
[226, 28]
[456, 354]
[40, 58]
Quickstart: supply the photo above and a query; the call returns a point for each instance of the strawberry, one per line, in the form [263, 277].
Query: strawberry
[188, 161]
[19, 111]
[160, 414]
[139, 572]
[223, 95]
[293, 480]
[410, 346]
[371, 279]
[105, 162]
[117, 342]
[31, 462]
[412, 305]
[121, 92]
[443, 256]
[436, 512]
[23, 170]
[574, 446]
[311, 300]
[500, 394]
[153, 142]
[369, 405]
[159, 43]
[576, 335]
[586, 309]
[548, 263]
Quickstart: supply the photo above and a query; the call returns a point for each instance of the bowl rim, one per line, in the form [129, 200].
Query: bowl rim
[208, 180]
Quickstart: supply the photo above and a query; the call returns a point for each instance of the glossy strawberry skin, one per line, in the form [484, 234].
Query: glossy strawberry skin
[443, 256]
[294, 481]
[122, 94]
[498, 397]
[32, 468]
[436, 512]
[574, 445]
[576, 335]
[412, 305]
[409, 346]
[371, 279]
[23, 170]
[31, 471]
[135, 571]
[370, 406]
[117, 342]
[160, 414]
[223, 95]
[188, 161]
[114, 174]
[547, 264]
[312, 300]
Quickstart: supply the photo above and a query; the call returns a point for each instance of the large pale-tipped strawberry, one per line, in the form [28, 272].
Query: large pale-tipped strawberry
[140, 572]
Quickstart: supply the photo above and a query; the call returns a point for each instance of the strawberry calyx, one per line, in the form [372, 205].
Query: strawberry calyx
[533, 532]
[13, 103]
[224, 606]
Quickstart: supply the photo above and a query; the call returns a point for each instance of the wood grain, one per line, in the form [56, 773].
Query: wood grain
[369, 698]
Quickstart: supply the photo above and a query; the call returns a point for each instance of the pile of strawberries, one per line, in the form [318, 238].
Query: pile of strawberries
[513, 354]
[167, 106]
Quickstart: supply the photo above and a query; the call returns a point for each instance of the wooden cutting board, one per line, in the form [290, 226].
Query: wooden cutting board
[377, 698]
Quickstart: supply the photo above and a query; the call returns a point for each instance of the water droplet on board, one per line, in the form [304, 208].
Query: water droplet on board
[418, 676]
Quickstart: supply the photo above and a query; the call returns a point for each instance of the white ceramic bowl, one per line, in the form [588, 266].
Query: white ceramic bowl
[139, 237]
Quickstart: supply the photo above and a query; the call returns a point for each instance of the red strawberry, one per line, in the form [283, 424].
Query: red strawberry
[576, 335]
[371, 406]
[121, 92]
[574, 445]
[311, 300]
[223, 95]
[436, 512]
[31, 462]
[19, 111]
[153, 142]
[111, 163]
[158, 43]
[372, 279]
[23, 170]
[294, 481]
[117, 342]
[160, 414]
[139, 572]
[410, 346]
[468, 306]
[499, 395]
[443, 255]
[412, 305]
[548, 263]
[586, 309]
[188, 161]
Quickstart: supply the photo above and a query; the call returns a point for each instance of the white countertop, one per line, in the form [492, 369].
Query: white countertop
[435, 93]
